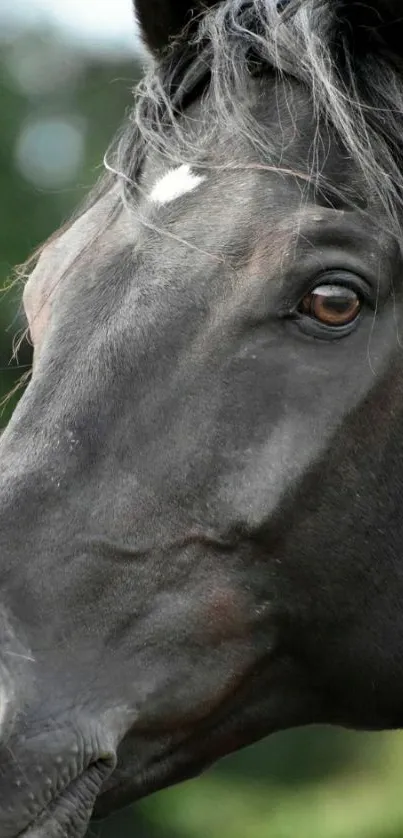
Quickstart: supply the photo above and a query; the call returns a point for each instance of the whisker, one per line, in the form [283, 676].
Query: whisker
[20, 655]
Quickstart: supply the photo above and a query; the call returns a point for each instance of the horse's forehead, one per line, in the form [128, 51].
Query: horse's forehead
[90, 234]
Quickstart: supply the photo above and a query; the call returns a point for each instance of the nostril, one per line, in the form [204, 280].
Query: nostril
[66, 808]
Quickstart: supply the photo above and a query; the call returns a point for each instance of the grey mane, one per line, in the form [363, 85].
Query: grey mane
[355, 88]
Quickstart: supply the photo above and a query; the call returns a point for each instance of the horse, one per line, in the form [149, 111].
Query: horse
[201, 488]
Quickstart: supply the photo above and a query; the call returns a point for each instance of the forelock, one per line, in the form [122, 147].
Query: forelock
[235, 41]
[306, 42]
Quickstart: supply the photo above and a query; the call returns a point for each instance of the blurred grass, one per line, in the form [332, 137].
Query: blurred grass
[363, 800]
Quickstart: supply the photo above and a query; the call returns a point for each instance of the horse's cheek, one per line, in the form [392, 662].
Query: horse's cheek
[200, 656]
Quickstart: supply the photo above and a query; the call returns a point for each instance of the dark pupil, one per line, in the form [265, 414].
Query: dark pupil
[337, 305]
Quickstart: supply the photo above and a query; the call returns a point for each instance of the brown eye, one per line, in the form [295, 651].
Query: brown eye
[331, 305]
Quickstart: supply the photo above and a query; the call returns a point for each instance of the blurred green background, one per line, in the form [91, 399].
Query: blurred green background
[62, 98]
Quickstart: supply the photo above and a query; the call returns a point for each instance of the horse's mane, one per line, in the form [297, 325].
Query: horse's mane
[354, 84]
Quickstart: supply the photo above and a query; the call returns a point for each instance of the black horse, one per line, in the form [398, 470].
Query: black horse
[207, 465]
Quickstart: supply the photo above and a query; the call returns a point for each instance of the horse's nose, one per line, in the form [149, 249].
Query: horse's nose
[16, 673]
[51, 774]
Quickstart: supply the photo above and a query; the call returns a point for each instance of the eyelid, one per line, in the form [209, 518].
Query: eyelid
[327, 290]
[345, 278]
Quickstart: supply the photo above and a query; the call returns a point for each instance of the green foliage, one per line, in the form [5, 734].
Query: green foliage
[259, 793]
[314, 783]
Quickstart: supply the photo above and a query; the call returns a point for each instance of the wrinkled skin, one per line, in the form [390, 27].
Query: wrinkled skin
[208, 496]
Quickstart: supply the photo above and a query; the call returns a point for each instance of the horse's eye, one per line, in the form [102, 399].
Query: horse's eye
[331, 305]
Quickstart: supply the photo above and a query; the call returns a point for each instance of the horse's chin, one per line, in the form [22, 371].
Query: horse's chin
[120, 790]
[134, 779]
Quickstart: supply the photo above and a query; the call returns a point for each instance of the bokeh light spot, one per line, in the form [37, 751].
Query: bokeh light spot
[50, 151]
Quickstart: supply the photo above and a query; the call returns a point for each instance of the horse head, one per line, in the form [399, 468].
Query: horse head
[200, 490]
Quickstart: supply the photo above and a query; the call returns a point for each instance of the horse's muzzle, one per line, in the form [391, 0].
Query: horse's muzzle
[49, 783]
[69, 812]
